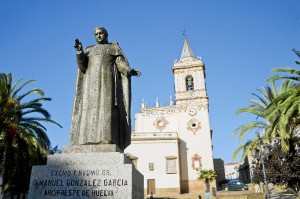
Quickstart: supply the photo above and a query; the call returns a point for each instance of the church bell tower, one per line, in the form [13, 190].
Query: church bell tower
[195, 135]
[189, 74]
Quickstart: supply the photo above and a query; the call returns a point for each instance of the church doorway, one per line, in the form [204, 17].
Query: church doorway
[150, 186]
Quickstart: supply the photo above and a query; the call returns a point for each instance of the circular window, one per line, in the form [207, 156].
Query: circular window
[194, 125]
[161, 123]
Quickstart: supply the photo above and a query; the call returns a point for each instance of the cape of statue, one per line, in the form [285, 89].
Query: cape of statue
[101, 110]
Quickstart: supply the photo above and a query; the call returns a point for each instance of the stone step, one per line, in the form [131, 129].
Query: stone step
[112, 158]
[105, 148]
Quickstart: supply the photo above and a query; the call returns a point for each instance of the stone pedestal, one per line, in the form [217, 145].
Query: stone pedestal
[87, 171]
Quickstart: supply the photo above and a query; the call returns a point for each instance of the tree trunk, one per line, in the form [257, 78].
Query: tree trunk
[207, 185]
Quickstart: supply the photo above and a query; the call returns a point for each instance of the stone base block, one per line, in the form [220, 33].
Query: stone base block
[83, 175]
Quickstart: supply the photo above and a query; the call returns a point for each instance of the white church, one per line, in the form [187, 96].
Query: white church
[171, 144]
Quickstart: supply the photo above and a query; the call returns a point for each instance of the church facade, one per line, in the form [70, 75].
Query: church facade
[171, 144]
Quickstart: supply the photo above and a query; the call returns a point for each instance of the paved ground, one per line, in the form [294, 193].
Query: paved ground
[276, 193]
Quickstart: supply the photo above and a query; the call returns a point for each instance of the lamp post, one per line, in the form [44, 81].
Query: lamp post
[297, 148]
[263, 152]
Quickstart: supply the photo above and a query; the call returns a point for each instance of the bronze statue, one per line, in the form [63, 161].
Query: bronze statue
[101, 111]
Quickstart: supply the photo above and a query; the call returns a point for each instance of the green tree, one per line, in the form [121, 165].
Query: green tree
[285, 109]
[207, 176]
[257, 108]
[281, 168]
[286, 171]
[23, 138]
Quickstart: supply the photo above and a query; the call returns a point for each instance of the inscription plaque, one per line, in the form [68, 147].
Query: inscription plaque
[81, 180]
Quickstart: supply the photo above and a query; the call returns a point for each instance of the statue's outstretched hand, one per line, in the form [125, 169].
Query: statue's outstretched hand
[78, 45]
[134, 72]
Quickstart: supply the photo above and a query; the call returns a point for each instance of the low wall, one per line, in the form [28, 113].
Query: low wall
[242, 196]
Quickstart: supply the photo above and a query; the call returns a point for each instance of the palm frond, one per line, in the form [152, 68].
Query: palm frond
[36, 101]
[286, 70]
[248, 127]
[37, 119]
[38, 110]
[238, 151]
[278, 77]
[296, 52]
[21, 87]
[27, 124]
[15, 85]
[34, 91]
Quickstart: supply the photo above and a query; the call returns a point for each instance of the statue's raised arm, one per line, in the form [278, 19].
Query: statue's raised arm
[81, 57]
[78, 45]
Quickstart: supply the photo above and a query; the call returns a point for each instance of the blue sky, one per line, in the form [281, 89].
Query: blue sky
[239, 41]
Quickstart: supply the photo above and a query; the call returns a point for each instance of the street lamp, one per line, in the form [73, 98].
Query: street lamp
[297, 148]
[262, 153]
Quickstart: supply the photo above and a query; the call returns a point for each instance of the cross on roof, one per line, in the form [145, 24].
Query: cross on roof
[184, 31]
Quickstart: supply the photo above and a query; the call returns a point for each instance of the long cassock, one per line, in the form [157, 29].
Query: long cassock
[101, 110]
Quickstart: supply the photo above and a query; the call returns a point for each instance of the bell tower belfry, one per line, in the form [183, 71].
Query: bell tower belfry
[189, 74]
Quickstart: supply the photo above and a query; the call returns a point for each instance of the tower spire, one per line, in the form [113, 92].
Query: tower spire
[186, 50]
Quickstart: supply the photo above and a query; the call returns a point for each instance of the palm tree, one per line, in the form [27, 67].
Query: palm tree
[284, 109]
[207, 176]
[265, 97]
[23, 139]
[286, 124]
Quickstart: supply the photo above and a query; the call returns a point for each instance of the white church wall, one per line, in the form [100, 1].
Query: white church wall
[195, 141]
[155, 152]
[151, 121]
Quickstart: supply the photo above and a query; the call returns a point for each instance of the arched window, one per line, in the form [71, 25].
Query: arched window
[189, 81]
[196, 162]
[171, 164]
